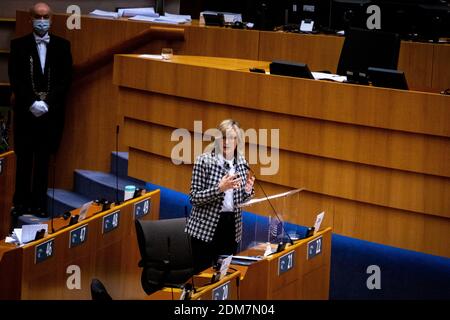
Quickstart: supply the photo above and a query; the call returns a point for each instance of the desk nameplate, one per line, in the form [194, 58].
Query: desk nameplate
[221, 292]
[142, 208]
[111, 221]
[44, 251]
[314, 248]
[286, 262]
[78, 236]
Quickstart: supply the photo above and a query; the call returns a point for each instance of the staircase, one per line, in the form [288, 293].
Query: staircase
[89, 185]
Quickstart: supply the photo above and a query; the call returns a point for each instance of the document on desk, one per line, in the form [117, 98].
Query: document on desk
[160, 19]
[224, 266]
[328, 76]
[184, 17]
[28, 232]
[131, 12]
[106, 14]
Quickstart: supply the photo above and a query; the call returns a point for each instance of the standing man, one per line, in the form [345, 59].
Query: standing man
[40, 72]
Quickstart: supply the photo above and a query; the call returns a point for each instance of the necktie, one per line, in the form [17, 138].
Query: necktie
[42, 49]
[45, 39]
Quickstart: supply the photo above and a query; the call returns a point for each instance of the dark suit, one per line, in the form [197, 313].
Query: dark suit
[36, 138]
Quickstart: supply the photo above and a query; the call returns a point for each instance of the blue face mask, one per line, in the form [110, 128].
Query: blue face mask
[41, 27]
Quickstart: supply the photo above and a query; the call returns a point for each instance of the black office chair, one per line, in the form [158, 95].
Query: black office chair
[165, 252]
[98, 291]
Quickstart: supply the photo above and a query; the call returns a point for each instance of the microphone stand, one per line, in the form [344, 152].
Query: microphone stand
[53, 192]
[271, 205]
[190, 252]
[117, 165]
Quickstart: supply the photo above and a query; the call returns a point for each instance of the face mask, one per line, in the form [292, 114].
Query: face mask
[41, 27]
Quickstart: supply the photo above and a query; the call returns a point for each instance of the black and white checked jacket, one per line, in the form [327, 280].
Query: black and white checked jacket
[207, 199]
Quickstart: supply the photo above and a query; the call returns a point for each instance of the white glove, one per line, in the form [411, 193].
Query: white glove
[38, 108]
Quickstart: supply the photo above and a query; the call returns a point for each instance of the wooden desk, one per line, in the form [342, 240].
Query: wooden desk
[7, 187]
[112, 257]
[374, 159]
[204, 289]
[309, 279]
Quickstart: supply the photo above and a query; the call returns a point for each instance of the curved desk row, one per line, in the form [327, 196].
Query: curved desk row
[62, 265]
[299, 272]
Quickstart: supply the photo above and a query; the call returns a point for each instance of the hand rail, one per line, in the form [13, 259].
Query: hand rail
[105, 56]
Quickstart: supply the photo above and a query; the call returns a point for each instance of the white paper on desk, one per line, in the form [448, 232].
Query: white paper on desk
[306, 26]
[185, 17]
[131, 12]
[160, 19]
[84, 209]
[318, 222]
[17, 235]
[224, 266]
[107, 14]
[10, 240]
[142, 18]
[328, 76]
[171, 20]
[29, 231]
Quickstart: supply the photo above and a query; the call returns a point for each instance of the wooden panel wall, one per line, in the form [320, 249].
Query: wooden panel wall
[92, 112]
[7, 183]
[401, 140]
[380, 174]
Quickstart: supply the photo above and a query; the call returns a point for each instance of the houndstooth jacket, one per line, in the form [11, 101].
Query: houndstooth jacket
[207, 199]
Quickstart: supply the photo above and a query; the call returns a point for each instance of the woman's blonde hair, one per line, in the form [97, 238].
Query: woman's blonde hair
[223, 127]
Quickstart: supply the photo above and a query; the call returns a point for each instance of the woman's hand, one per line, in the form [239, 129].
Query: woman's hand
[229, 182]
[249, 183]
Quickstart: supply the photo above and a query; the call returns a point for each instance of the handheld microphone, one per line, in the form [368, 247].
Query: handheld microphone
[271, 205]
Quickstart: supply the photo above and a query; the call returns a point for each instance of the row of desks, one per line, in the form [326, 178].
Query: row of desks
[63, 264]
[300, 272]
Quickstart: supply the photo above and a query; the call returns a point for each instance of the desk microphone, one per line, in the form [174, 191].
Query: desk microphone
[117, 165]
[192, 257]
[168, 262]
[53, 192]
[271, 205]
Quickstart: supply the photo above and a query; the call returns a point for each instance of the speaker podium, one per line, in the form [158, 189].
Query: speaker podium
[299, 272]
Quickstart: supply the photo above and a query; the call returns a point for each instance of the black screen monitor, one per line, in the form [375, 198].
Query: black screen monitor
[291, 69]
[346, 14]
[387, 78]
[214, 19]
[367, 48]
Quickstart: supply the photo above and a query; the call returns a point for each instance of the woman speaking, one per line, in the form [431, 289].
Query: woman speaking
[220, 183]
